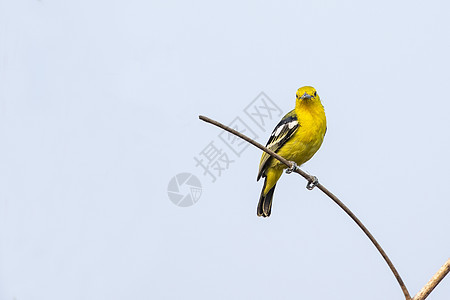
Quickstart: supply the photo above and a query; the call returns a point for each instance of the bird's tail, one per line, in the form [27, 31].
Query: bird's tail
[265, 201]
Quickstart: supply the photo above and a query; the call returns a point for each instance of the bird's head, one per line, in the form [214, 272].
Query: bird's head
[307, 94]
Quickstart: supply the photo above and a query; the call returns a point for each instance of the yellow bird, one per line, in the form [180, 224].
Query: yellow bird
[297, 138]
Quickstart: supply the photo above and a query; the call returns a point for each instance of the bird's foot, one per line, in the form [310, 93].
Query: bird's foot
[292, 168]
[312, 183]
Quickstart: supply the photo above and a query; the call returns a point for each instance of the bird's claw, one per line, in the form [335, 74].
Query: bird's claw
[312, 183]
[313, 180]
[292, 168]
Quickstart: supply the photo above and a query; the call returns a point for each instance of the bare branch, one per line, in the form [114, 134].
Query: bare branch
[434, 281]
[326, 191]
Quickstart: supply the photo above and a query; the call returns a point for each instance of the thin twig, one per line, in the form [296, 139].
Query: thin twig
[434, 281]
[326, 191]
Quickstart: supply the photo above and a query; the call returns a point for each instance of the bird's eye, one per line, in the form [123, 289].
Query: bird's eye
[315, 93]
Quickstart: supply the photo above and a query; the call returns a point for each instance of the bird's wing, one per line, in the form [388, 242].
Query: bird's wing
[280, 135]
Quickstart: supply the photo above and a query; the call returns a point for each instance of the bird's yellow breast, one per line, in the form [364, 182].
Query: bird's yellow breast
[308, 137]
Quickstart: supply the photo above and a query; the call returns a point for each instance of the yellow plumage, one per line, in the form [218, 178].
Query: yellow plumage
[297, 138]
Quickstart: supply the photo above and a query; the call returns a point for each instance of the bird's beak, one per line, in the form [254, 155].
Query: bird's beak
[305, 96]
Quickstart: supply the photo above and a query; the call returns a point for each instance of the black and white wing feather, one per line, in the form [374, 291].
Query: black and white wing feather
[280, 135]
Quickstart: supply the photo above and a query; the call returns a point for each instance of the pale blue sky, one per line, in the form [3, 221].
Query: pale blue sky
[99, 105]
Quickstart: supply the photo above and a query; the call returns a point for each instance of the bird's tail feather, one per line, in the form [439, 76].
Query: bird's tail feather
[265, 202]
